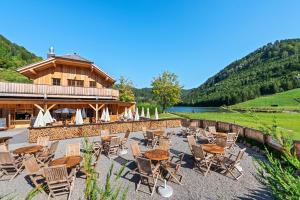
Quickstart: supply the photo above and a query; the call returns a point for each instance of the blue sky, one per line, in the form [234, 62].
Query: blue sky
[140, 39]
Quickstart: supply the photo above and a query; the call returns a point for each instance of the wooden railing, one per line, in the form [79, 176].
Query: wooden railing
[35, 90]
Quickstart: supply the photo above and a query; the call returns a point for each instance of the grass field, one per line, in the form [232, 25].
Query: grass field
[280, 101]
[290, 122]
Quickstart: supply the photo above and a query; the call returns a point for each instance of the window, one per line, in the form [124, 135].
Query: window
[56, 81]
[92, 84]
[76, 83]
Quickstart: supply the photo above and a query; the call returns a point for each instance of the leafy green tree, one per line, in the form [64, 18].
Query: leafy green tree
[125, 88]
[166, 90]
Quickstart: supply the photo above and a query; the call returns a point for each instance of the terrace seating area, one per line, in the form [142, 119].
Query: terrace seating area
[196, 163]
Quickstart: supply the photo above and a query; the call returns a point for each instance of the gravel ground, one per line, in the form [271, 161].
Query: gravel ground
[195, 185]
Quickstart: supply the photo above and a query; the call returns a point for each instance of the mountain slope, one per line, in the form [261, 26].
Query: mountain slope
[13, 56]
[273, 68]
[289, 100]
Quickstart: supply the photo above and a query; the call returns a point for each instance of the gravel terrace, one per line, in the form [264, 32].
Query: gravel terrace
[195, 185]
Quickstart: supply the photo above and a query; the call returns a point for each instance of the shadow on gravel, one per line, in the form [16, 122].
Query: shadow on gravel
[187, 162]
[260, 194]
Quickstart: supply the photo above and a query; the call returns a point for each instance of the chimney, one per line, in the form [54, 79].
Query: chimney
[50, 53]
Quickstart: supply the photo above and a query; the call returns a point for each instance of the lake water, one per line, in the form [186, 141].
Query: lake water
[194, 109]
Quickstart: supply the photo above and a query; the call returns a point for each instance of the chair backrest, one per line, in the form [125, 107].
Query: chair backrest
[6, 158]
[198, 152]
[3, 148]
[236, 136]
[73, 149]
[115, 141]
[43, 141]
[221, 141]
[135, 149]
[231, 137]
[240, 155]
[56, 174]
[164, 144]
[212, 129]
[104, 132]
[53, 147]
[179, 162]
[144, 165]
[31, 165]
[127, 134]
[191, 141]
[150, 135]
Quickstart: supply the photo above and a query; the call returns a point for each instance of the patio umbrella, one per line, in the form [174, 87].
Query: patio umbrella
[125, 113]
[78, 117]
[130, 114]
[142, 113]
[136, 117]
[47, 117]
[156, 114]
[83, 113]
[39, 121]
[107, 117]
[148, 114]
[103, 116]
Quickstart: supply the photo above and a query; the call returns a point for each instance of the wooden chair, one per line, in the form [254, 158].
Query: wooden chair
[97, 149]
[212, 129]
[233, 165]
[125, 139]
[47, 155]
[144, 131]
[58, 180]
[151, 139]
[231, 138]
[73, 149]
[164, 144]
[173, 168]
[112, 149]
[148, 174]
[43, 141]
[209, 136]
[34, 171]
[201, 160]
[136, 152]
[191, 141]
[9, 166]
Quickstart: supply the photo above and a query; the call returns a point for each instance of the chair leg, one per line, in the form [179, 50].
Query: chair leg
[208, 168]
[18, 171]
[154, 185]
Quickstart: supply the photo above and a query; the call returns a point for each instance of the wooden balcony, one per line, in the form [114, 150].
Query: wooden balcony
[51, 91]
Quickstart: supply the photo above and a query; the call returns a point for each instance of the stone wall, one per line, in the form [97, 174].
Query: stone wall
[243, 131]
[74, 131]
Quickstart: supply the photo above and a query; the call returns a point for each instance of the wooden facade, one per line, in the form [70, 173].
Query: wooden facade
[68, 81]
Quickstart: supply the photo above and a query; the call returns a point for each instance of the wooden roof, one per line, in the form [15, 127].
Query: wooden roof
[76, 60]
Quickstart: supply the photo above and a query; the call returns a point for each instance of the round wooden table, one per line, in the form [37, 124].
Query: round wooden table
[213, 148]
[28, 150]
[219, 134]
[157, 154]
[69, 161]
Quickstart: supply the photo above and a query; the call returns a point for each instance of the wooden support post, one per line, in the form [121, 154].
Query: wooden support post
[51, 106]
[45, 107]
[97, 112]
[8, 122]
[39, 107]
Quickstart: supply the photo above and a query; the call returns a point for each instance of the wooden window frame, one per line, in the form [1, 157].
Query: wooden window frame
[54, 81]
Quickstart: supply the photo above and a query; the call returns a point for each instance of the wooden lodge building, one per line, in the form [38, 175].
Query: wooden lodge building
[67, 81]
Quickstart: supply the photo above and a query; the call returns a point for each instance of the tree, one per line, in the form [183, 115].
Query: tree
[125, 88]
[166, 90]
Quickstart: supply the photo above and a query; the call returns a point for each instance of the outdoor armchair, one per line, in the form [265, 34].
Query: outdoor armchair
[9, 166]
[232, 164]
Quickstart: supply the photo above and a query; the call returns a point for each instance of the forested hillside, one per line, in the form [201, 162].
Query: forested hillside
[273, 68]
[13, 56]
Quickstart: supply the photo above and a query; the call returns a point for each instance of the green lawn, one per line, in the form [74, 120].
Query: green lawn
[288, 121]
[284, 101]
